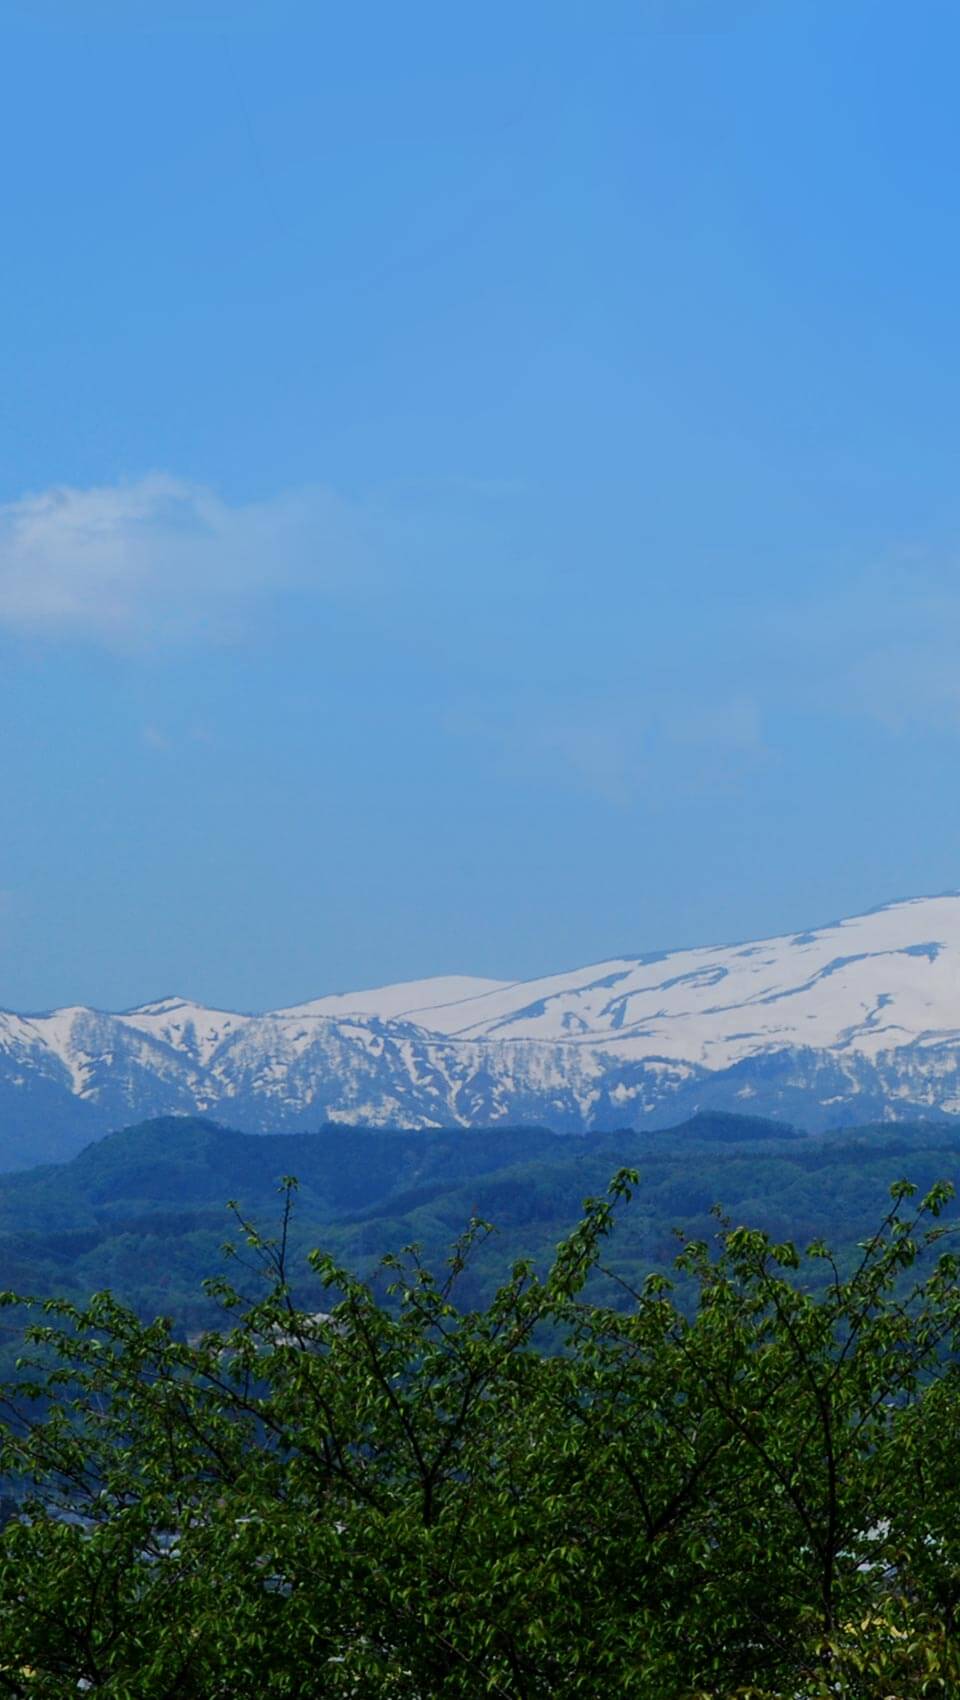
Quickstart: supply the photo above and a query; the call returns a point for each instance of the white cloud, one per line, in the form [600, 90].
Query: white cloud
[158, 557]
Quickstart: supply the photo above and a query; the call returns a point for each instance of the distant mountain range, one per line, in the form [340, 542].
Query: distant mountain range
[853, 1022]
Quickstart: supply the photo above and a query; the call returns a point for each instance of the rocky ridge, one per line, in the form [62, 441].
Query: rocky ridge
[855, 1021]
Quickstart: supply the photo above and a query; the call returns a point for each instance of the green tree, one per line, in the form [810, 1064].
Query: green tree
[395, 1496]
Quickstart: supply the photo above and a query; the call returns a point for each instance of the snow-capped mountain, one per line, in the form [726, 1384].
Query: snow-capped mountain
[850, 1022]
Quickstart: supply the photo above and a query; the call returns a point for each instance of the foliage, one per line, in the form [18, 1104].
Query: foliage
[752, 1496]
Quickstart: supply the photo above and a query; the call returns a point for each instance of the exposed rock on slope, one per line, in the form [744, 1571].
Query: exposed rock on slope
[853, 1021]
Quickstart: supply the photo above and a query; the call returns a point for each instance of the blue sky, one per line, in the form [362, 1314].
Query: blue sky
[478, 486]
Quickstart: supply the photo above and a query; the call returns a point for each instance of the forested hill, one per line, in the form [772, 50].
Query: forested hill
[144, 1211]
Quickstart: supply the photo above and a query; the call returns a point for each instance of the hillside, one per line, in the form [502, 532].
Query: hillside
[144, 1210]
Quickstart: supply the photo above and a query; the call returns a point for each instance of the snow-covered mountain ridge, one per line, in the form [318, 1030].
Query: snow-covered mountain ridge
[854, 1020]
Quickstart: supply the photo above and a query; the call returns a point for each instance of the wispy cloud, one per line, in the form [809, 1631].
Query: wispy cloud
[158, 557]
[623, 748]
[167, 742]
[884, 647]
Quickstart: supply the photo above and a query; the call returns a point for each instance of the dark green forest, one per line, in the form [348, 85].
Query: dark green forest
[144, 1211]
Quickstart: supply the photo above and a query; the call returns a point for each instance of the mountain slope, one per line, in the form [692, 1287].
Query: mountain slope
[853, 1021]
[143, 1210]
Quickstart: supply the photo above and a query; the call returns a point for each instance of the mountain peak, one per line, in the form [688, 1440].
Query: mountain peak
[160, 1006]
[860, 1017]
